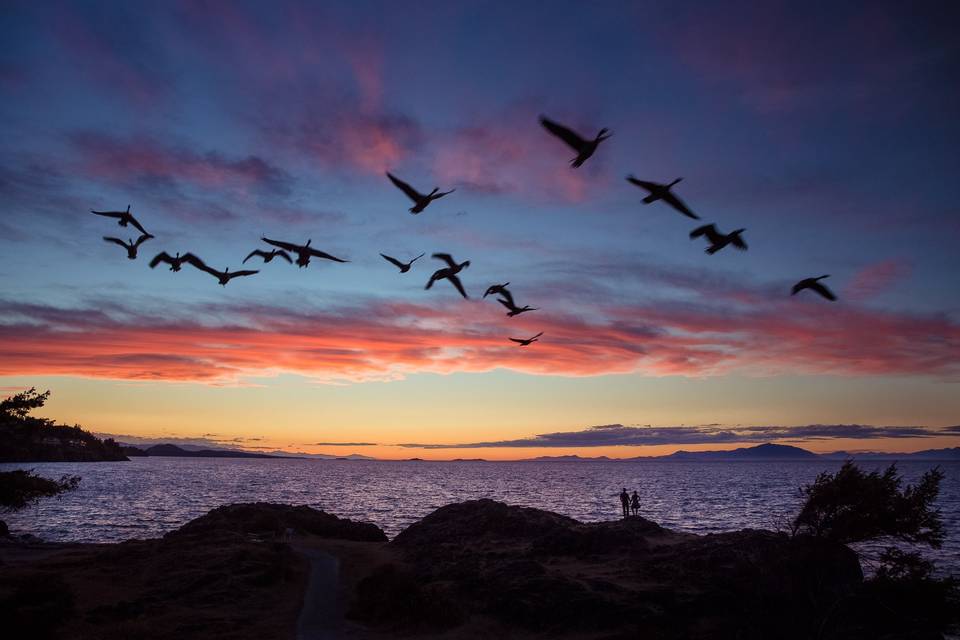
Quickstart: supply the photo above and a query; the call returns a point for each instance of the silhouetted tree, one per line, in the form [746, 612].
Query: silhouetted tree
[855, 506]
[19, 489]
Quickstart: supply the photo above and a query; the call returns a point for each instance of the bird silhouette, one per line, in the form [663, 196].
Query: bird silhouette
[130, 245]
[403, 266]
[175, 262]
[420, 200]
[514, 310]
[526, 342]
[123, 219]
[449, 272]
[662, 192]
[304, 251]
[223, 277]
[269, 255]
[496, 288]
[582, 146]
[719, 240]
[814, 285]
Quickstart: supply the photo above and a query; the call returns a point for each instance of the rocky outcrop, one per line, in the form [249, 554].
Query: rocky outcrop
[535, 570]
[272, 520]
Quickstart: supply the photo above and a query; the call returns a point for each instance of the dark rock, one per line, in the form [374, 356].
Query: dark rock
[266, 519]
[4, 530]
[393, 597]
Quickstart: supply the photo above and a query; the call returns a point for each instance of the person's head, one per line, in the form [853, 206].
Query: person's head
[624, 490]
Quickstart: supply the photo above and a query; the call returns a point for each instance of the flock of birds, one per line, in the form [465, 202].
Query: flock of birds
[584, 148]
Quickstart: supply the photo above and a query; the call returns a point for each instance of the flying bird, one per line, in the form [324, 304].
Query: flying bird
[513, 309]
[304, 252]
[719, 240]
[269, 255]
[526, 342]
[662, 192]
[130, 245]
[420, 200]
[814, 285]
[223, 277]
[583, 147]
[123, 219]
[496, 288]
[403, 266]
[175, 262]
[449, 272]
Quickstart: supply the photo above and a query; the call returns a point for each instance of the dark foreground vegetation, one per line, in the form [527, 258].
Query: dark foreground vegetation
[26, 438]
[483, 568]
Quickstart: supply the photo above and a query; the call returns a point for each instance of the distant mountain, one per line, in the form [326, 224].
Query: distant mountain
[767, 451]
[172, 450]
[952, 453]
[569, 458]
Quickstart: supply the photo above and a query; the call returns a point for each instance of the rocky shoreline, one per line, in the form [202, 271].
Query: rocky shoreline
[467, 570]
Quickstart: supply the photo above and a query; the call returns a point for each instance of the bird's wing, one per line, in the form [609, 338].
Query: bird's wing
[417, 258]
[797, 288]
[163, 256]
[201, 265]
[822, 290]
[116, 241]
[437, 196]
[517, 340]
[506, 295]
[739, 243]
[678, 204]
[393, 261]
[506, 304]
[537, 336]
[562, 132]
[255, 252]
[109, 214]
[459, 285]
[237, 274]
[708, 229]
[143, 238]
[326, 256]
[282, 245]
[283, 254]
[649, 186]
[407, 189]
[446, 257]
[135, 223]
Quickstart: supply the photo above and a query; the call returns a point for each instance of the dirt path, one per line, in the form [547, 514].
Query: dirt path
[319, 617]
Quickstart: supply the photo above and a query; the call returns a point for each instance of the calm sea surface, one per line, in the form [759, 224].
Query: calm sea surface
[149, 496]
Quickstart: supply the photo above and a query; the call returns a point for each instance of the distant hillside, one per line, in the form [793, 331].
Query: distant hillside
[173, 451]
[568, 458]
[25, 438]
[766, 451]
[952, 453]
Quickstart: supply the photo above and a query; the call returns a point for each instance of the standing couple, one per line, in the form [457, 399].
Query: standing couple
[629, 502]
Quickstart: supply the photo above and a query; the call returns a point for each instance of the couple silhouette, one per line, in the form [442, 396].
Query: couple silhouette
[629, 502]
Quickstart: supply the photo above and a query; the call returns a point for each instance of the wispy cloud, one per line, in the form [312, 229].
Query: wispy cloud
[627, 436]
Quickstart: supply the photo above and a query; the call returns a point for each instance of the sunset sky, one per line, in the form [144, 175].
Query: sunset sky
[830, 133]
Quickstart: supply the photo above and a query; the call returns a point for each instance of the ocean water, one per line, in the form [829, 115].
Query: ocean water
[149, 496]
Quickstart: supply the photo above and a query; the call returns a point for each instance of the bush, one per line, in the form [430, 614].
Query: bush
[854, 506]
[19, 489]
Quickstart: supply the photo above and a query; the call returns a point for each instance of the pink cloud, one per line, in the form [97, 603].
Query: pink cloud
[875, 278]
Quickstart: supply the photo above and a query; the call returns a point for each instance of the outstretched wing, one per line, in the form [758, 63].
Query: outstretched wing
[109, 214]
[649, 186]
[739, 243]
[707, 229]
[163, 256]
[417, 258]
[326, 256]
[201, 265]
[406, 188]
[116, 241]
[446, 257]
[518, 340]
[459, 285]
[139, 226]
[238, 274]
[282, 245]
[537, 336]
[393, 261]
[283, 254]
[143, 238]
[508, 305]
[797, 288]
[822, 290]
[255, 252]
[678, 204]
[562, 132]
[507, 296]
[437, 196]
